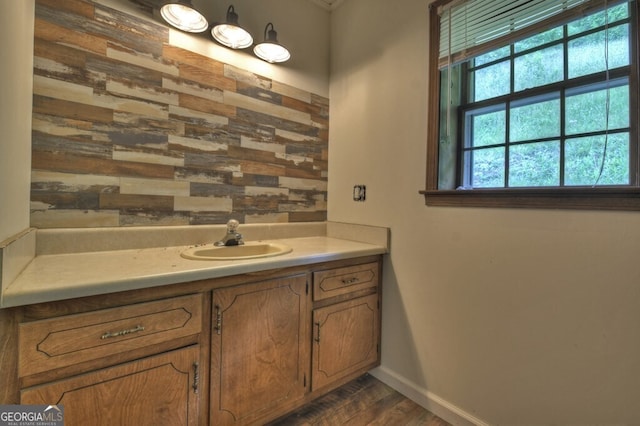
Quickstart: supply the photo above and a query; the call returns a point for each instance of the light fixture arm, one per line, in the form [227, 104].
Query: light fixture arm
[270, 34]
[232, 16]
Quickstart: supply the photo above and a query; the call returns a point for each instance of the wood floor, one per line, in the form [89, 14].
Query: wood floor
[364, 401]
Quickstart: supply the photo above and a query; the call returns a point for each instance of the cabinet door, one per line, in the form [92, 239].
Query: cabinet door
[260, 350]
[158, 390]
[345, 340]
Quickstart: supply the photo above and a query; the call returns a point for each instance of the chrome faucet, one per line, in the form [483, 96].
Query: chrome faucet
[232, 237]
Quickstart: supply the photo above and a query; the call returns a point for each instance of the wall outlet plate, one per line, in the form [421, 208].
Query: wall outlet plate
[359, 192]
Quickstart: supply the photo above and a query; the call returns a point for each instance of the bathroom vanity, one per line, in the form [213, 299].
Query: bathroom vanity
[236, 347]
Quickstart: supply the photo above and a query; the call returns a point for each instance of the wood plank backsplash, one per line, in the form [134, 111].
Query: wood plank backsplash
[131, 131]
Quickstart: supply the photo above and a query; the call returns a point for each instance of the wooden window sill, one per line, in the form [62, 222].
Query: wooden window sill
[609, 198]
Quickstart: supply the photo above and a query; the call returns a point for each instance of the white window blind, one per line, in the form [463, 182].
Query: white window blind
[471, 27]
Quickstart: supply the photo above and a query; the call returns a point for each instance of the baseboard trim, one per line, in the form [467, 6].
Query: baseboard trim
[432, 402]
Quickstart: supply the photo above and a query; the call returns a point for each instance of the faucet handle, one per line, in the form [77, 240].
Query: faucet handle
[232, 226]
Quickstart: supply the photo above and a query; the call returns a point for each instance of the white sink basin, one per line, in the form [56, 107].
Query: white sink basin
[250, 250]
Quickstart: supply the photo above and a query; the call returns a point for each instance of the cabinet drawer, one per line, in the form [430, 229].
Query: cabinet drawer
[339, 281]
[72, 339]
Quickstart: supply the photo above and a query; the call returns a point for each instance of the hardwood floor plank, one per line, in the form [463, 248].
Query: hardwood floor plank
[365, 401]
[370, 414]
[356, 405]
[426, 418]
[324, 406]
[401, 413]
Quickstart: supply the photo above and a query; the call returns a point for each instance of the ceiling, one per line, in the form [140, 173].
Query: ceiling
[327, 4]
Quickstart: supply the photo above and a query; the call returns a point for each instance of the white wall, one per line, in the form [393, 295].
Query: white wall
[510, 316]
[16, 33]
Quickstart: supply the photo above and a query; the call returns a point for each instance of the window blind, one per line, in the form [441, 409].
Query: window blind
[471, 27]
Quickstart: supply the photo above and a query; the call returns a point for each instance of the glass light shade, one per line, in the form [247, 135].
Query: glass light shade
[184, 17]
[230, 33]
[232, 36]
[271, 52]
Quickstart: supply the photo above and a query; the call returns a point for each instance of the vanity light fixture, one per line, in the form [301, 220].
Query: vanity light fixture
[230, 33]
[270, 50]
[182, 15]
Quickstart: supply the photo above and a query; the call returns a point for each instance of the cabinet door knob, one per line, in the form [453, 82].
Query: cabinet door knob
[317, 339]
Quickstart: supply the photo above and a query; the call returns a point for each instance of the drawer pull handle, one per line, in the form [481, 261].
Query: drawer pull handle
[317, 339]
[350, 280]
[110, 334]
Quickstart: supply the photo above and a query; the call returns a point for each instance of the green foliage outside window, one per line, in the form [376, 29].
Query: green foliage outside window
[568, 132]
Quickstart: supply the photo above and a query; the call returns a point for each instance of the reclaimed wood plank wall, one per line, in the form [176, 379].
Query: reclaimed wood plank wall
[129, 130]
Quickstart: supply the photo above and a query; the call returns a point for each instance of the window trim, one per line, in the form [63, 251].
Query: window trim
[585, 198]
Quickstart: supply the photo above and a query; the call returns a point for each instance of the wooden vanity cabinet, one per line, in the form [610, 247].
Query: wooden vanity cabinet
[346, 323]
[238, 350]
[137, 364]
[279, 343]
[259, 350]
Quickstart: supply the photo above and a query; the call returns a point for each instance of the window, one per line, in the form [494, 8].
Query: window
[542, 114]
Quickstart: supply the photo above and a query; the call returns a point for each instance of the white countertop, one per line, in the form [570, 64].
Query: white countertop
[62, 276]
